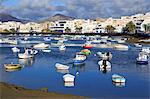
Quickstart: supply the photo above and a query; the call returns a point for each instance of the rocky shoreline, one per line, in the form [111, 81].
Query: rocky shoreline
[9, 91]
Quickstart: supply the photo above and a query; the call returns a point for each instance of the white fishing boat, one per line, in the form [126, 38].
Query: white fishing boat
[146, 50]
[12, 66]
[11, 41]
[25, 55]
[120, 47]
[61, 66]
[68, 78]
[15, 49]
[79, 59]
[118, 79]
[103, 64]
[105, 56]
[32, 51]
[142, 58]
[137, 45]
[46, 50]
[62, 48]
[47, 39]
[41, 46]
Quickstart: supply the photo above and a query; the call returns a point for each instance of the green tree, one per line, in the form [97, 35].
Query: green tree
[146, 28]
[109, 29]
[12, 30]
[5, 30]
[67, 30]
[130, 27]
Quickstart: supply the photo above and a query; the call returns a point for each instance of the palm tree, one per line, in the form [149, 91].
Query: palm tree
[67, 30]
[109, 29]
[131, 27]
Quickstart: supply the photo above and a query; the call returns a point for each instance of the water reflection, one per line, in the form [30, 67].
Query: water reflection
[118, 84]
[143, 68]
[79, 68]
[62, 71]
[69, 84]
[26, 62]
[12, 70]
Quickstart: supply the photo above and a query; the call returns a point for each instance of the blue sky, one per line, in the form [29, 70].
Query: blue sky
[40, 9]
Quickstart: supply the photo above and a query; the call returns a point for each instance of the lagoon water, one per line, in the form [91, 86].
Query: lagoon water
[40, 72]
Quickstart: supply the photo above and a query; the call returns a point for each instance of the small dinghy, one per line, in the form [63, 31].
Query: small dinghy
[15, 49]
[118, 79]
[87, 45]
[103, 64]
[138, 45]
[146, 50]
[12, 66]
[46, 50]
[41, 46]
[79, 59]
[86, 52]
[61, 66]
[68, 78]
[105, 56]
[25, 55]
[62, 48]
[47, 39]
[142, 59]
[121, 47]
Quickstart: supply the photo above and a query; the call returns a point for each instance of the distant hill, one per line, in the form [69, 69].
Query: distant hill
[58, 17]
[7, 17]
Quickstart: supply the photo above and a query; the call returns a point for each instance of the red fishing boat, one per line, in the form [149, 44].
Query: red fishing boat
[87, 45]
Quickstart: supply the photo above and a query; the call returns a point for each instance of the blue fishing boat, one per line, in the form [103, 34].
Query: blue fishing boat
[79, 59]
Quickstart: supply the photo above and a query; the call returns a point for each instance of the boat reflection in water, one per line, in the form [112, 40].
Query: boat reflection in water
[62, 71]
[69, 84]
[104, 70]
[12, 70]
[118, 84]
[26, 62]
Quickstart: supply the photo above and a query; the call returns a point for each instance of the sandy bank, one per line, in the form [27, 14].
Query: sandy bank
[8, 91]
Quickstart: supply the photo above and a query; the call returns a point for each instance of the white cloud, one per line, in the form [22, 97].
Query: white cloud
[35, 9]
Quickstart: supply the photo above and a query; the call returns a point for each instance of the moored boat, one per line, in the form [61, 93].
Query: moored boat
[62, 47]
[25, 55]
[15, 49]
[41, 46]
[118, 79]
[87, 45]
[61, 66]
[68, 78]
[79, 59]
[142, 59]
[86, 52]
[12, 66]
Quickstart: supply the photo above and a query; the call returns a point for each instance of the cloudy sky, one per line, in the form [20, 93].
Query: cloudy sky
[40, 9]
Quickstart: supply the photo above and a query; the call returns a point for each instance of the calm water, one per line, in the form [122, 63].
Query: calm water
[40, 72]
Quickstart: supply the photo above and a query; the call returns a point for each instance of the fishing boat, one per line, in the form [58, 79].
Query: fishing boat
[146, 50]
[79, 59]
[121, 47]
[46, 50]
[15, 49]
[41, 46]
[62, 48]
[25, 55]
[87, 45]
[68, 78]
[61, 66]
[142, 59]
[137, 45]
[105, 56]
[33, 52]
[47, 39]
[86, 52]
[12, 66]
[103, 64]
[118, 79]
